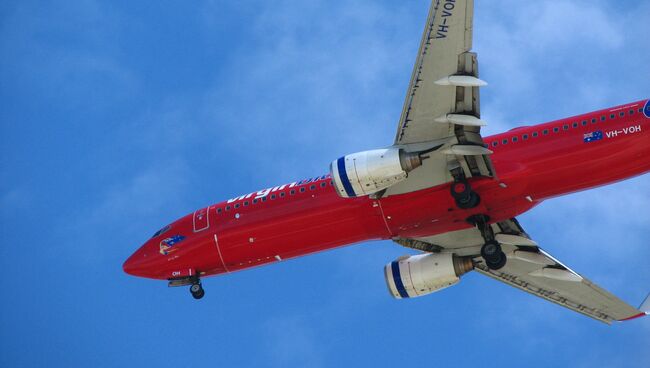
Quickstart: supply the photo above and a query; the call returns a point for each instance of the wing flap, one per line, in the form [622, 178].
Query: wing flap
[531, 269]
[553, 281]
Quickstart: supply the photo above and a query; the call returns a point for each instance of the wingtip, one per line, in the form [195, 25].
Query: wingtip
[644, 308]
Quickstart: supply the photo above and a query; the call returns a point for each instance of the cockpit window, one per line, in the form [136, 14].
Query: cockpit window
[161, 231]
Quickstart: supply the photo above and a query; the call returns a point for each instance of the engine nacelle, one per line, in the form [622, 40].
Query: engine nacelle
[423, 274]
[369, 172]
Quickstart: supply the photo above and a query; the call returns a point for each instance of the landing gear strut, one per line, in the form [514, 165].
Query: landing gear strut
[490, 251]
[463, 194]
[197, 290]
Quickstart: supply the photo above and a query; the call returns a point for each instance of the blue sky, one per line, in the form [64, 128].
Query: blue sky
[118, 117]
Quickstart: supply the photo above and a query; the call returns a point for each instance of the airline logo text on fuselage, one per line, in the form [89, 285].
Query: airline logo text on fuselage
[629, 130]
[265, 192]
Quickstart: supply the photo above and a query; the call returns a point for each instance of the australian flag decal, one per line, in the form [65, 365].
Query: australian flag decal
[593, 136]
[166, 246]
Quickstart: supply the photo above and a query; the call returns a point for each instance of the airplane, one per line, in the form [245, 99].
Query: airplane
[441, 188]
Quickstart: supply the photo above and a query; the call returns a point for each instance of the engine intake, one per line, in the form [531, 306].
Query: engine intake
[369, 172]
[413, 276]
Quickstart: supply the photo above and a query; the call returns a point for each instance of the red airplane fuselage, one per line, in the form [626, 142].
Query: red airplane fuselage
[532, 164]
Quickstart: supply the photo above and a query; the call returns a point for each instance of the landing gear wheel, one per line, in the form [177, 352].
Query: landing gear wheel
[498, 262]
[493, 255]
[463, 194]
[197, 291]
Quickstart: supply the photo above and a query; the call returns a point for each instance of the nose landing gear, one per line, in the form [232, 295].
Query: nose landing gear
[197, 290]
[491, 251]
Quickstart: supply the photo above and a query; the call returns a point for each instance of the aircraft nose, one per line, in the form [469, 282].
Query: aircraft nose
[139, 263]
[129, 266]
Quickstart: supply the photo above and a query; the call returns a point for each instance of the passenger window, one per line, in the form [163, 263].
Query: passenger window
[331, 182]
[525, 136]
[272, 196]
[584, 123]
[556, 129]
[612, 116]
[312, 187]
[237, 205]
[292, 192]
[255, 201]
[227, 208]
[264, 199]
[218, 210]
[245, 203]
[302, 190]
[495, 143]
[594, 120]
[514, 139]
[535, 134]
[641, 110]
[631, 112]
[282, 194]
[323, 184]
[505, 141]
[621, 114]
[575, 125]
[566, 127]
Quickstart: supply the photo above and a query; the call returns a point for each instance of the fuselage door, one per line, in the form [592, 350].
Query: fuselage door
[201, 219]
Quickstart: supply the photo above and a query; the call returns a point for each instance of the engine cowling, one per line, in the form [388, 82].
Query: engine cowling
[369, 172]
[413, 276]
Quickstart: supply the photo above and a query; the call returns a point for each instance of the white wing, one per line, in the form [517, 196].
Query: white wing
[442, 102]
[533, 270]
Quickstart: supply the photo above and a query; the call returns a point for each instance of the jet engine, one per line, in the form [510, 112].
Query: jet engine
[412, 276]
[369, 172]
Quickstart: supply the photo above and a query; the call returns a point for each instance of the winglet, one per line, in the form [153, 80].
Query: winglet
[644, 308]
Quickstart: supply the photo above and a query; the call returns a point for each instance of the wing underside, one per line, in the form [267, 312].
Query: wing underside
[533, 270]
[442, 104]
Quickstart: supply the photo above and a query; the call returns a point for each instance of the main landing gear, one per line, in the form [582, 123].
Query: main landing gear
[490, 251]
[197, 290]
[463, 194]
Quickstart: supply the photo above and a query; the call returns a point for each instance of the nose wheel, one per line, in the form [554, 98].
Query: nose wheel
[197, 290]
